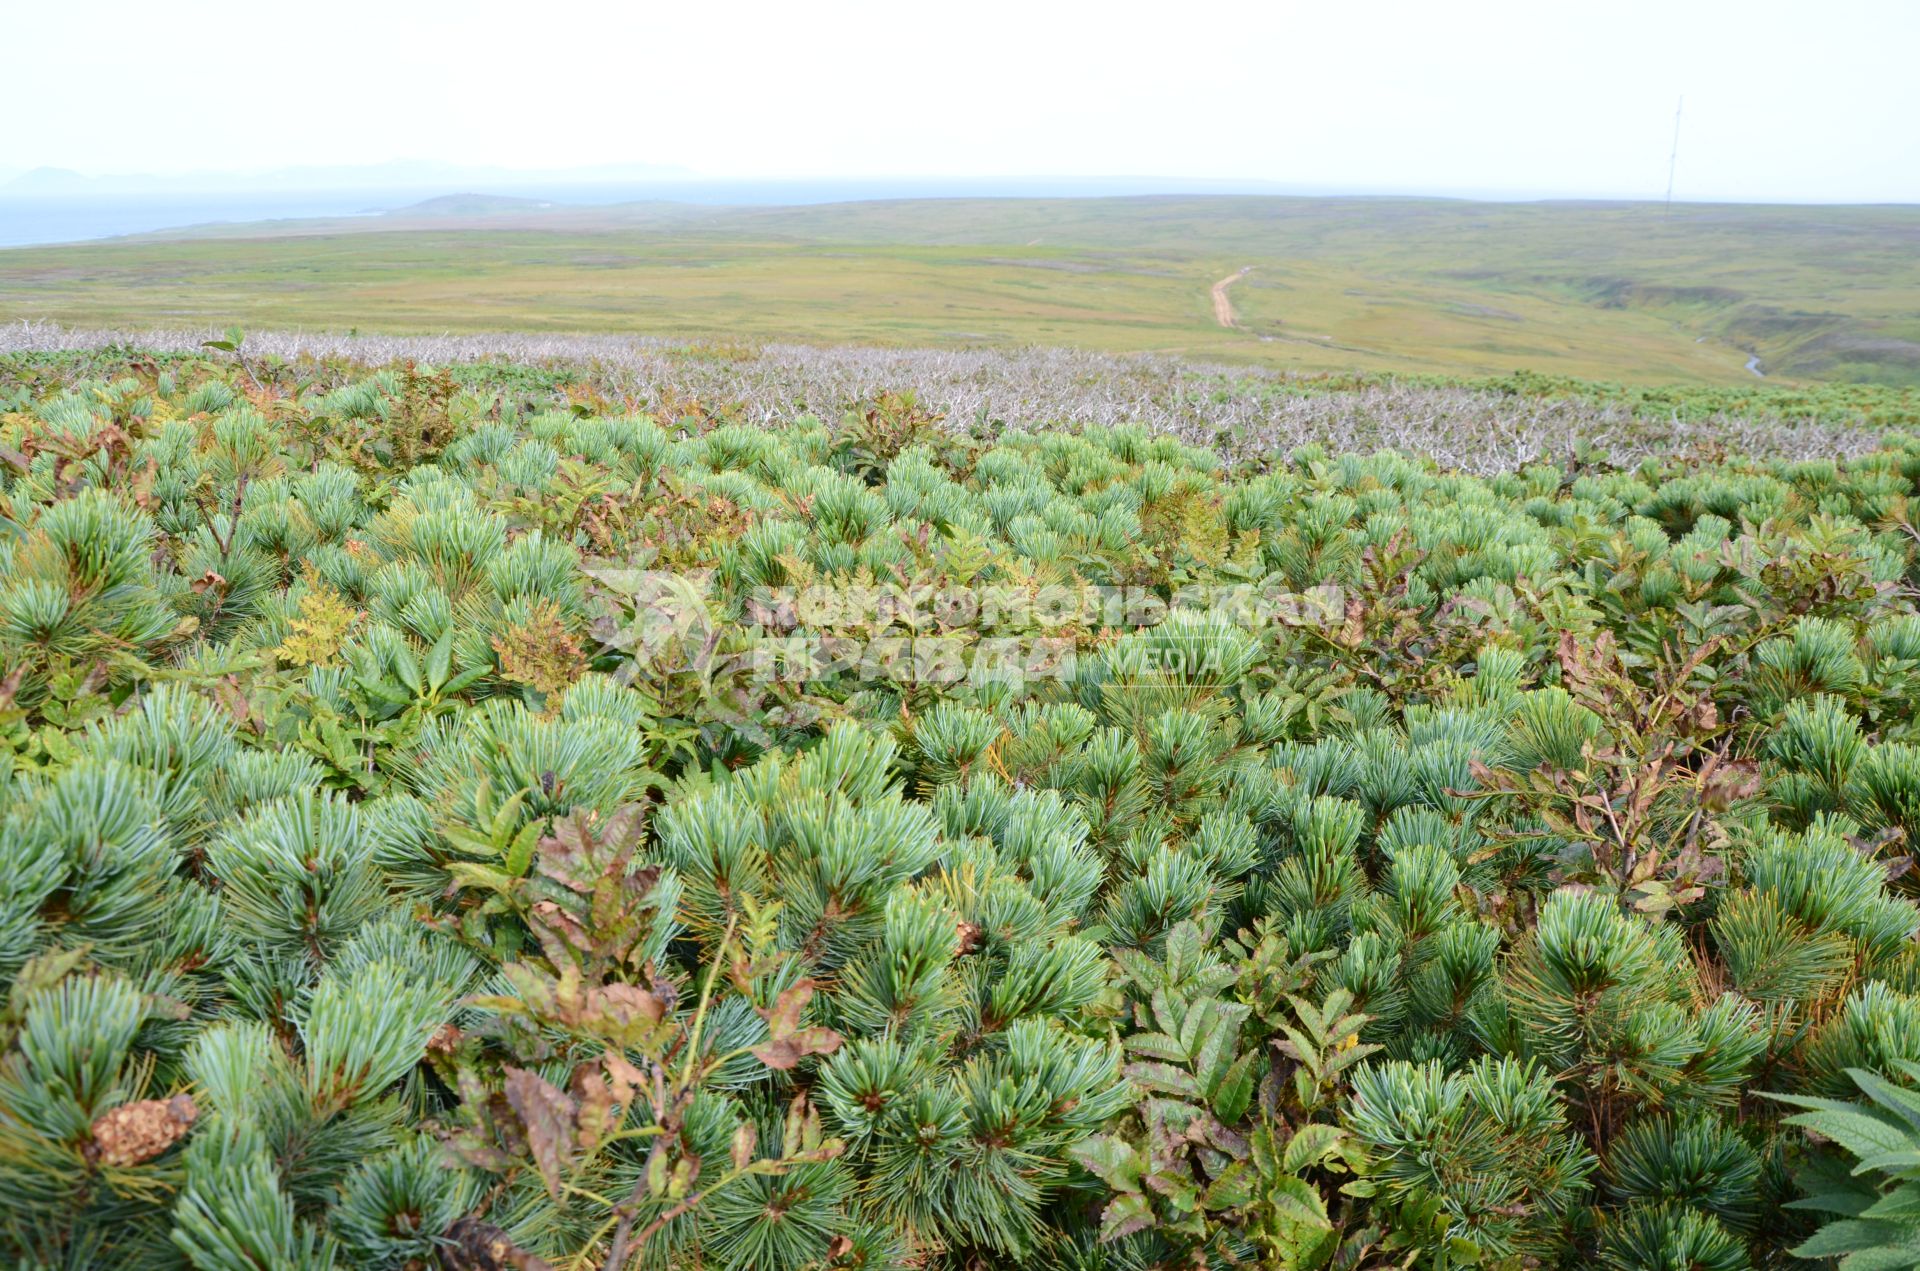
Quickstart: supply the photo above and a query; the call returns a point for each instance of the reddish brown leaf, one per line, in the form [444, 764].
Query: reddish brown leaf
[625, 1003]
[789, 1043]
[599, 1109]
[548, 1115]
[794, 1047]
[784, 1018]
[744, 1139]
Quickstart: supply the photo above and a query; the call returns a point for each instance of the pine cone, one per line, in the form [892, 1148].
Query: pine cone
[475, 1245]
[137, 1132]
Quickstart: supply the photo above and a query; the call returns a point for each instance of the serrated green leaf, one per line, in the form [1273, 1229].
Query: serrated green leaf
[1156, 1046]
[483, 877]
[1859, 1132]
[1311, 1144]
[1849, 1235]
[1124, 1215]
[1231, 1189]
[384, 689]
[1166, 1078]
[1295, 1199]
[1112, 1160]
[1902, 1202]
[1234, 1091]
[519, 854]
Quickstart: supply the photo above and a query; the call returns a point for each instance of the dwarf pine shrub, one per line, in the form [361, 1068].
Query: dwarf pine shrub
[447, 825]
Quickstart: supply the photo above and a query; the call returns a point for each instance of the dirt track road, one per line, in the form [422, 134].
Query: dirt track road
[1223, 307]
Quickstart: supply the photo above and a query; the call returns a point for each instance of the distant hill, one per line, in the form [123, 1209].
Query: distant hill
[46, 181]
[471, 205]
[1701, 293]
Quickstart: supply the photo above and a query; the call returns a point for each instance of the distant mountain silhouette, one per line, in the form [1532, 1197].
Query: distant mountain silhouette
[470, 205]
[48, 181]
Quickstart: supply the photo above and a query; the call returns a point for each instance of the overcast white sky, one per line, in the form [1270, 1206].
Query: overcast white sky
[1785, 99]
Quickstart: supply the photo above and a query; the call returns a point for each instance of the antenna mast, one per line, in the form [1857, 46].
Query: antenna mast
[1673, 159]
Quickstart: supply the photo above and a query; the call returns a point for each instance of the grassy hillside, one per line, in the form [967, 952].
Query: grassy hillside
[1611, 291]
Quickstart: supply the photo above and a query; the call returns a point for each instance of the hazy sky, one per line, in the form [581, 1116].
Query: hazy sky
[1785, 99]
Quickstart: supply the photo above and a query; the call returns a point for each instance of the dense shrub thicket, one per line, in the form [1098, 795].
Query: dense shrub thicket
[1478, 425]
[393, 878]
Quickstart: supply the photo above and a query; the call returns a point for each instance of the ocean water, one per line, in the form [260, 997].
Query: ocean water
[65, 218]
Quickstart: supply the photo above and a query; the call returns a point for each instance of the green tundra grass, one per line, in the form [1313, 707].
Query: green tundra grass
[1614, 291]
